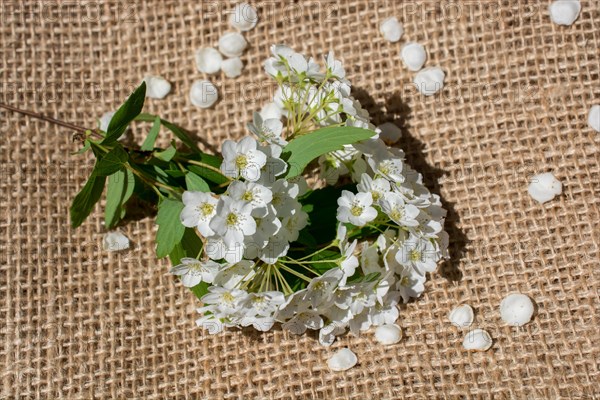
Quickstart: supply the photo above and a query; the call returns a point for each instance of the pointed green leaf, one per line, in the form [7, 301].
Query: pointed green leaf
[180, 133]
[167, 154]
[118, 190]
[302, 150]
[148, 144]
[170, 229]
[111, 162]
[85, 200]
[125, 114]
[194, 183]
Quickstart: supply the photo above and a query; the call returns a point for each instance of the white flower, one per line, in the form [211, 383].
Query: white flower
[410, 283]
[266, 227]
[262, 324]
[418, 253]
[268, 130]
[401, 213]
[308, 319]
[390, 133]
[516, 309]
[275, 249]
[224, 300]
[385, 312]
[284, 198]
[157, 87]
[430, 80]
[356, 208]
[233, 221]
[328, 333]
[377, 187]
[242, 159]
[414, 56]
[388, 334]
[391, 29]
[203, 94]
[292, 225]
[331, 168]
[387, 165]
[115, 241]
[232, 44]
[244, 17]
[369, 258]
[320, 289]
[231, 275]
[208, 60]
[274, 166]
[255, 194]
[264, 304]
[193, 271]
[349, 261]
[232, 67]
[209, 322]
[198, 211]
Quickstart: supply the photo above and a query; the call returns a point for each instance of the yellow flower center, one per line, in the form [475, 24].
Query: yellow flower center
[241, 161]
[356, 210]
[414, 255]
[231, 219]
[376, 195]
[397, 214]
[248, 196]
[228, 298]
[206, 209]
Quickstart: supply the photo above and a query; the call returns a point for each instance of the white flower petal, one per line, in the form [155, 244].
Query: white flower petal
[203, 94]
[391, 29]
[414, 56]
[594, 118]
[244, 17]
[208, 60]
[232, 44]
[564, 12]
[544, 187]
[388, 334]
[157, 87]
[104, 120]
[232, 67]
[342, 360]
[461, 316]
[516, 309]
[430, 80]
[477, 340]
[115, 241]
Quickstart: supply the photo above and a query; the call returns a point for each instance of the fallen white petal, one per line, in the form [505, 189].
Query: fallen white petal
[342, 360]
[477, 340]
[208, 60]
[414, 56]
[244, 17]
[232, 44]
[232, 67]
[544, 187]
[564, 12]
[594, 118]
[390, 133]
[461, 316]
[388, 334]
[391, 29]
[157, 87]
[270, 111]
[430, 80]
[115, 241]
[516, 309]
[203, 94]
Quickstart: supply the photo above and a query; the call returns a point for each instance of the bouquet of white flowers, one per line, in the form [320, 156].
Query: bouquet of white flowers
[249, 236]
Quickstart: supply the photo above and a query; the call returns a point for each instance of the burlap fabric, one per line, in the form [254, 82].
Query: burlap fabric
[81, 323]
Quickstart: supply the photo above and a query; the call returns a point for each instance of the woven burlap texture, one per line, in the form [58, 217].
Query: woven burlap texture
[80, 323]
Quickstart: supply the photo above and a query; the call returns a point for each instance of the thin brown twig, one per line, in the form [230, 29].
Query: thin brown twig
[49, 119]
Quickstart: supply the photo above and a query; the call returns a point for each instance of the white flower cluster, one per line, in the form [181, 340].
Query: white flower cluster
[249, 261]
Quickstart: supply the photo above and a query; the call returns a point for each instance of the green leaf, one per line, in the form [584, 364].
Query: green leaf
[118, 190]
[85, 200]
[194, 183]
[112, 162]
[86, 146]
[177, 131]
[170, 229]
[148, 144]
[302, 150]
[372, 277]
[167, 154]
[125, 114]
[208, 173]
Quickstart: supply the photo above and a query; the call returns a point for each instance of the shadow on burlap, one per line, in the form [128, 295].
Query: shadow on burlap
[82, 323]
